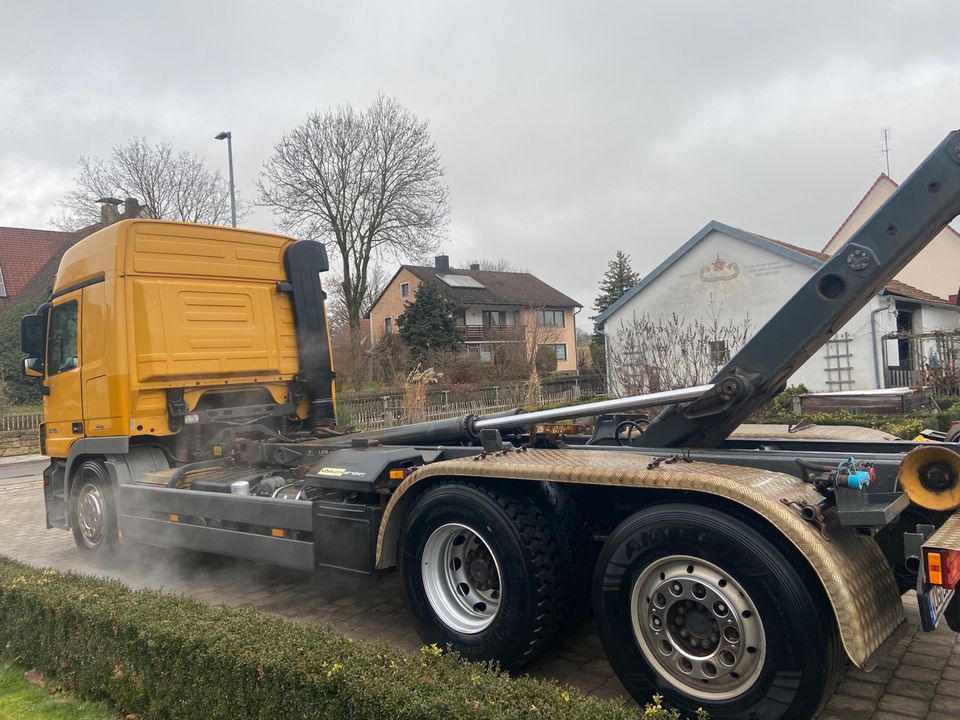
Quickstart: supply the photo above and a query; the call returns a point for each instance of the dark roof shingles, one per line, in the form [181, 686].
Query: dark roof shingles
[499, 288]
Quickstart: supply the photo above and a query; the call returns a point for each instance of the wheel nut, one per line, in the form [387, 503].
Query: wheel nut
[656, 622]
[699, 591]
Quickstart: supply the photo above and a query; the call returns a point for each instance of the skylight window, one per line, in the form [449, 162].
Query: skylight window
[461, 281]
[3, 286]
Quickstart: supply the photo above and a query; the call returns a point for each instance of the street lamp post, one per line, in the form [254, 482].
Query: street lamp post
[228, 136]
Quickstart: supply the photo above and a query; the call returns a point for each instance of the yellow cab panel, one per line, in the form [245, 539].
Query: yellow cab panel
[154, 305]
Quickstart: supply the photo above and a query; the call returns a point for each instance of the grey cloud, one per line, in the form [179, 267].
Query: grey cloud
[569, 130]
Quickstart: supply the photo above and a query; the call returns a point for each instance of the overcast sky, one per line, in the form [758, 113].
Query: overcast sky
[568, 130]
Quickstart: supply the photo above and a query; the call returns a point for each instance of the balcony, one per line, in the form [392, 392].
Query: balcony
[493, 333]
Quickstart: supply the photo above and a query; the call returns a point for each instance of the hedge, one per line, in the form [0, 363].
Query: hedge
[168, 656]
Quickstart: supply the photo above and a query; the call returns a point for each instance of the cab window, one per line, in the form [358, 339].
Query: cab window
[62, 343]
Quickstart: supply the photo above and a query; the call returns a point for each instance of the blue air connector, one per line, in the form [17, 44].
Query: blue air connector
[849, 475]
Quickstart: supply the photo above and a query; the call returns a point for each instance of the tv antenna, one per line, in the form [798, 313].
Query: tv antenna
[885, 146]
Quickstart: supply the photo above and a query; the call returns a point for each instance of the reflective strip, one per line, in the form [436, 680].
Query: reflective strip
[934, 569]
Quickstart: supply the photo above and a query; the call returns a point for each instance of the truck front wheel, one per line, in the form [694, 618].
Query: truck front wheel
[93, 516]
[480, 573]
[700, 607]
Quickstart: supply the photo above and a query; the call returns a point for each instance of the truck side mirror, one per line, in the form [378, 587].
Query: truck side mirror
[33, 335]
[33, 367]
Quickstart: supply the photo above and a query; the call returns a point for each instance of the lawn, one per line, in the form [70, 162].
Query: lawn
[22, 701]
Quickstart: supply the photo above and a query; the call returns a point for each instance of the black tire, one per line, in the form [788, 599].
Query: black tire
[526, 553]
[93, 513]
[578, 551]
[790, 671]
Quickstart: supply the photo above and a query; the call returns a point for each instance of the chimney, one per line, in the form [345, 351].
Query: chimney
[475, 266]
[109, 213]
[442, 263]
[131, 208]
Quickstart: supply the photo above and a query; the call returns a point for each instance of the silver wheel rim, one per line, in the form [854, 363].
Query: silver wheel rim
[90, 514]
[461, 577]
[698, 628]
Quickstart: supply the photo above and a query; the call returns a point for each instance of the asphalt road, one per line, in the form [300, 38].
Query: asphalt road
[14, 473]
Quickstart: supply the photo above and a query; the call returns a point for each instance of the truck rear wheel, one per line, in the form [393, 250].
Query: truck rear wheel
[93, 515]
[698, 606]
[480, 573]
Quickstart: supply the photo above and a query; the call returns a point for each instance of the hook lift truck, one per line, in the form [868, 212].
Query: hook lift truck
[189, 402]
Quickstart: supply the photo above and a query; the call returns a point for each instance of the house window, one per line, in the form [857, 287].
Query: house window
[387, 325]
[719, 354]
[481, 352]
[62, 344]
[550, 318]
[494, 317]
[561, 350]
[3, 286]
[460, 318]
[404, 290]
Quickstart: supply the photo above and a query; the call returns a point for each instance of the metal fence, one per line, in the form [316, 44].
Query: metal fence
[21, 421]
[373, 412]
[386, 409]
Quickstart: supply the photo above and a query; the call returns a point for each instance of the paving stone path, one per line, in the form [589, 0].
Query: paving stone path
[921, 678]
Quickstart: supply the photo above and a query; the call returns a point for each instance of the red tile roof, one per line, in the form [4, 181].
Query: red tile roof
[894, 287]
[25, 252]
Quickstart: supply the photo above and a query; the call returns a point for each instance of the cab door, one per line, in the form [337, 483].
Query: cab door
[63, 404]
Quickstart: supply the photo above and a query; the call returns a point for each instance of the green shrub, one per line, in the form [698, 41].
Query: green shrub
[17, 389]
[782, 404]
[167, 656]
[905, 427]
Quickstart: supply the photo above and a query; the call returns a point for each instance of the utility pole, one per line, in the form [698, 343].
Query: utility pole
[228, 136]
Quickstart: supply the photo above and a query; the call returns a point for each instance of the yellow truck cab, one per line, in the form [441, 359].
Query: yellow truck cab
[152, 322]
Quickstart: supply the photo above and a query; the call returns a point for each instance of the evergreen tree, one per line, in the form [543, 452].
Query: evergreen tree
[618, 278]
[427, 325]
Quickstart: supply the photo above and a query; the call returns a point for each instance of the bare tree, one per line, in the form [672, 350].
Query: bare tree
[651, 355]
[365, 183]
[171, 185]
[337, 311]
[525, 350]
[501, 264]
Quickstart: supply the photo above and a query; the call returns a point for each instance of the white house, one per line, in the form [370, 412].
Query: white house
[733, 276]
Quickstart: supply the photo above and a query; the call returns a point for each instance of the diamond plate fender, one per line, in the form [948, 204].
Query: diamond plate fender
[855, 575]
